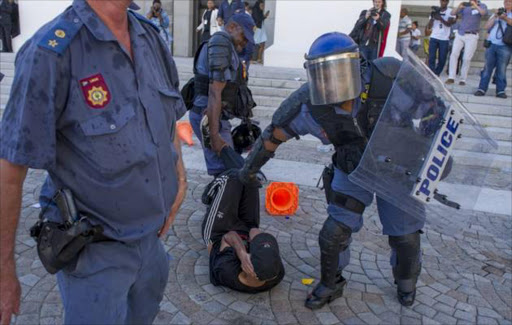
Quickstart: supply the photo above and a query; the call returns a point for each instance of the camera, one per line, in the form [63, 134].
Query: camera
[374, 12]
[436, 11]
[501, 11]
[466, 4]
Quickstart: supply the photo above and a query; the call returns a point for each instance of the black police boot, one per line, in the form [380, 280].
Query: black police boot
[408, 267]
[333, 239]
[406, 292]
[323, 295]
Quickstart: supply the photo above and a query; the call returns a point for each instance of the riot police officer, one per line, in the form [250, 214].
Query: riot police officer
[221, 92]
[94, 102]
[340, 105]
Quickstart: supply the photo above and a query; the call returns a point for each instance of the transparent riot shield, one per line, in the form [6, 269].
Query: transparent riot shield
[413, 159]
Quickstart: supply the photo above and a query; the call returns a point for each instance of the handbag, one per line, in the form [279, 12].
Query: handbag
[507, 36]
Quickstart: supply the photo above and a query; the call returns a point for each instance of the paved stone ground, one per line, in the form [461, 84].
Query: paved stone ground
[466, 277]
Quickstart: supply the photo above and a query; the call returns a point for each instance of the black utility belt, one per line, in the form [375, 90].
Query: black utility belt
[58, 244]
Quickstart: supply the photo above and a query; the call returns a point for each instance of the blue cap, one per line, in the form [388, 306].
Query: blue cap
[246, 22]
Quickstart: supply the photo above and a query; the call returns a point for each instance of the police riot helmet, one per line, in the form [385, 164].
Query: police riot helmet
[333, 68]
[244, 136]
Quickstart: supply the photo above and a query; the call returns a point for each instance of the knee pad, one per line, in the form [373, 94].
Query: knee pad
[408, 255]
[334, 236]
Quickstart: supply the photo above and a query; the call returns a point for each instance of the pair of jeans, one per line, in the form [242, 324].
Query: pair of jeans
[437, 49]
[496, 57]
[369, 52]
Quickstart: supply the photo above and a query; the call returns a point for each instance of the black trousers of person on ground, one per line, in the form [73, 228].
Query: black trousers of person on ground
[232, 207]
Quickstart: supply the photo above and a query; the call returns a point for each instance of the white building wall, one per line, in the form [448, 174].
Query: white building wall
[34, 14]
[299, 23]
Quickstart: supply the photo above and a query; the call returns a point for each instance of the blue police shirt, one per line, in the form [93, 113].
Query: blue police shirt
[101, 124]
[227, 10]
[203, 69]
[304, 123]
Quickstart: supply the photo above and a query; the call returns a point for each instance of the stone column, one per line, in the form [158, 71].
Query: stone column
[183, 28]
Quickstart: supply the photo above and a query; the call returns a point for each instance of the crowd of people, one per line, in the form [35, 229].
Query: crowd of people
[453, 36]
[106, 134]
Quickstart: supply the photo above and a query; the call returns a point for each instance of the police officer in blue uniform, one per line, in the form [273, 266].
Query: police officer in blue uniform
[340, 105]
[94, 102]
[221, 91]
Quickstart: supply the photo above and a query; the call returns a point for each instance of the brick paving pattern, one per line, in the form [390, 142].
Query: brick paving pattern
[466, 277]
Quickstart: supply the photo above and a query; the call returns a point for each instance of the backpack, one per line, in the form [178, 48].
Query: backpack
[188, 94]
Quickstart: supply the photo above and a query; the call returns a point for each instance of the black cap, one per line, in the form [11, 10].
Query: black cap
[265, 257]
[247, 23]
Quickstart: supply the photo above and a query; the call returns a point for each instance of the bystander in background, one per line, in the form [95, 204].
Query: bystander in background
[497, 55]
[260, 35]
[441, 20]
[160, 19]
[415, 37]
[471, 14]
[370, 29]
[209, 24]
[404, 33]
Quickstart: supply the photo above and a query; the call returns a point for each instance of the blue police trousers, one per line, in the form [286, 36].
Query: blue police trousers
[115, 283]
[395, 222]
[214, 163]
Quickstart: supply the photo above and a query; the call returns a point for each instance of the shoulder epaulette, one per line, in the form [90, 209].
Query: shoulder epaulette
[59, 37]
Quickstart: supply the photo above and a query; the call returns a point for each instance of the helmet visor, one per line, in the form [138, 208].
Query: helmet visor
[335, 78]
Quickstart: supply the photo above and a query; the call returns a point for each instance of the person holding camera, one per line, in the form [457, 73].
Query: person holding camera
[471, 14]
[160, 19]
[497, 55]
[441, 20]
[369, 29]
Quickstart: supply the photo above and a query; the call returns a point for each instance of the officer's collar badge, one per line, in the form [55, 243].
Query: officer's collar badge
[95, 91]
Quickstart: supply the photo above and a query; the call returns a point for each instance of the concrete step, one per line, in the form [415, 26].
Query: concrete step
[7, 81]
[7, 57]
[487, 100]
[501, 134]
[471, 142]
[488, 116]
[6, 65]
[7, 72]
[468, 153]
[256, 81]
[484, 109]
[472, 86]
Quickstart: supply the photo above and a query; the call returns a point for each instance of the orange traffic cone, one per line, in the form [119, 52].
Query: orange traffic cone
[185, 132]
[282, 199]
